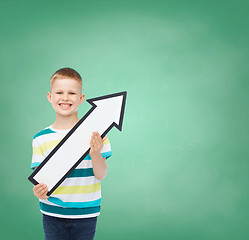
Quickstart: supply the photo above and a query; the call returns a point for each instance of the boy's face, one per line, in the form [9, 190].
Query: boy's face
[65, 96]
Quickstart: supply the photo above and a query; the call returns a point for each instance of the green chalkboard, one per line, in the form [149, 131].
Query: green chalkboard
[179, 168]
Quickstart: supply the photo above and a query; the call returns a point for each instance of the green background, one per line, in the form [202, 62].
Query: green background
[179, 168]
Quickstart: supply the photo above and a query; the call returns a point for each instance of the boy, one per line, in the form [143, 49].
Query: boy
[71, 211]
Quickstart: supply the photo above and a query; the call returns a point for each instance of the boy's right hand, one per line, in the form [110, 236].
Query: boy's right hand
[40, 190]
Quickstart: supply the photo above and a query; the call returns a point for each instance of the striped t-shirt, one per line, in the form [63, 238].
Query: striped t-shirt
[79, 195]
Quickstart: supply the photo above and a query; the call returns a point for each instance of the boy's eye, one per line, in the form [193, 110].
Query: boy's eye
[59, 93]
[72, 93]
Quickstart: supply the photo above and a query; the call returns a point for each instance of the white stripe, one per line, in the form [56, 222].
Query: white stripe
[80, 181]
[106, 148]
[37, 158]
[71, 216]
[47, 202]
[85, 164]
[35, 143]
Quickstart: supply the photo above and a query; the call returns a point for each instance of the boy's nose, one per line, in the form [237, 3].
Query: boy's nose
[65, 96]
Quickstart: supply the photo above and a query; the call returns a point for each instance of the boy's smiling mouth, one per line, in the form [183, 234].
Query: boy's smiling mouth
[65, 105]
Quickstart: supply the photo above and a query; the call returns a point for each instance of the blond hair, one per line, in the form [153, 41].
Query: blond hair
[67, 73]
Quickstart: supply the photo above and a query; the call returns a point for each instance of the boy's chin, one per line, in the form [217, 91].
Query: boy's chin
[66, 114]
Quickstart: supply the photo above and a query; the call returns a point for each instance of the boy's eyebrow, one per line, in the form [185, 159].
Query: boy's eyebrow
[65, 89]
[60, 90]
[57, 90]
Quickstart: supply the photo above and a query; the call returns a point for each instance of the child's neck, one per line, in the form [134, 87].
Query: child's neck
[65, 122]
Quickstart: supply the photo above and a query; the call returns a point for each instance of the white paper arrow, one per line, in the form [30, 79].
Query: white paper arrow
[106, 112]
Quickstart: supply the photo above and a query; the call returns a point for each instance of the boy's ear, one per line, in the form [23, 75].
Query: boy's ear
[49, 97]
[82, 97]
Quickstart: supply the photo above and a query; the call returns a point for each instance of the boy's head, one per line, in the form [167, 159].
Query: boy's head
[65, 73]
[65, 92]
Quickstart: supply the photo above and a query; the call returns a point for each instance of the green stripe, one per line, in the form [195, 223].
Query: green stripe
[44, 132]
[83, 172]
[68, 211]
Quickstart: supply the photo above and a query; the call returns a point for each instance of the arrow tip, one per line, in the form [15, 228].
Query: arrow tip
[120, 102]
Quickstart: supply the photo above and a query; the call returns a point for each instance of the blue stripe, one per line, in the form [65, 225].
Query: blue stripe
[87, 157]
[106, 154]
[43, 132]
[35, 164]
[59, 202]
[68, 211]
[82, 172]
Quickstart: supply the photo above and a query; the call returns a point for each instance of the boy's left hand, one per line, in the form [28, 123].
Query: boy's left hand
[96, 144]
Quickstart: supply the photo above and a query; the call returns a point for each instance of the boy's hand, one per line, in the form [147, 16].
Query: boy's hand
[96, 144]
[40, 190]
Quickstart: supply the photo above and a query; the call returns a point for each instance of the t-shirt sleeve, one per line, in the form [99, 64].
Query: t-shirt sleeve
[38, 155]
[106, 151]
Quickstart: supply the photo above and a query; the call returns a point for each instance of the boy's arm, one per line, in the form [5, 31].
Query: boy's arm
[98, 162]
[40, 190]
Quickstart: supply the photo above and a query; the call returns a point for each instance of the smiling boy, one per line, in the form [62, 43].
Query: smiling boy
[71, 211]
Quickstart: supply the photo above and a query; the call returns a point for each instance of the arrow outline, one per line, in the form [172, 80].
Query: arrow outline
[94, 106]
